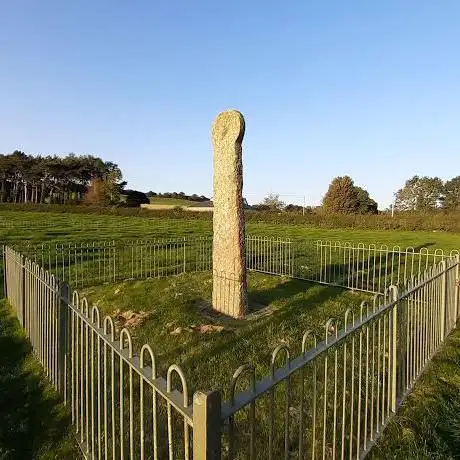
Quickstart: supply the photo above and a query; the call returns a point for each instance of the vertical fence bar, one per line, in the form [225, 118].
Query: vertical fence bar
[63, 301]
[22, 284]
[394, 344]
[5, 284]
[456, 288]
[185, 254]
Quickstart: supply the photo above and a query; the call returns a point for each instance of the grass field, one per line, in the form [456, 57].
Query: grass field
[38, 227]
[175, 311]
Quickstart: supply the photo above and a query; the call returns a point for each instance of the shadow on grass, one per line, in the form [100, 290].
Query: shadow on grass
[287, 293]
[286, 303]
[368, 271]
[33, 423]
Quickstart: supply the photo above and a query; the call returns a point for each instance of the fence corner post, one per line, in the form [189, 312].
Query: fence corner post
[207, 426]
[394, 347]
[63, 335]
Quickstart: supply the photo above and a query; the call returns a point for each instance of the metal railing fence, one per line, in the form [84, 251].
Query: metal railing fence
[97, 262]
[357, 266]
[120, 406]
[332, 401]
[370, 268]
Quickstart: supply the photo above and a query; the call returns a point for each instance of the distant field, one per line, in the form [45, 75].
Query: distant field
[48, 226]
[171, 201]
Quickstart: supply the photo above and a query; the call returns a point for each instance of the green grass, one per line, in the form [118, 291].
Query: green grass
[428, 424]
[33, 423]
[210, 359]
[47, 226]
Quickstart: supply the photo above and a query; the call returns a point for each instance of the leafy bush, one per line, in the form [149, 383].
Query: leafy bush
[134, 198]
[344, 197]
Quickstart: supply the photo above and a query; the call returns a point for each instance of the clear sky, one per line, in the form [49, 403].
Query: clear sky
[367, 88]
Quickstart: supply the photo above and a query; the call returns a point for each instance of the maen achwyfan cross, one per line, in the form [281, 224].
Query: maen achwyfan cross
[229, 295]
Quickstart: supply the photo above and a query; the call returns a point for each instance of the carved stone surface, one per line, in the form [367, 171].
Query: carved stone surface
[229, 280]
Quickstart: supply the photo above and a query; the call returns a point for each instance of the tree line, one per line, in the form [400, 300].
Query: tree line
[74, 179]
[419, 194]
[428, 193]
[52, 179]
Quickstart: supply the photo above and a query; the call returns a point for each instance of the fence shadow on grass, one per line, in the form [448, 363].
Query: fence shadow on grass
[33, 423]
[367, 269]
[288, 290]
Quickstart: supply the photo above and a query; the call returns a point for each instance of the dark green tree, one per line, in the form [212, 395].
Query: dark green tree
[134, 198]
[366, 204]
[52, 179]
[451, 198]
[344, 197]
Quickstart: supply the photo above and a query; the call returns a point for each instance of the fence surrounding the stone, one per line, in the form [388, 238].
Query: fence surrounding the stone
[331, 401]
[334, 400]
[120, 406]
[369, 268]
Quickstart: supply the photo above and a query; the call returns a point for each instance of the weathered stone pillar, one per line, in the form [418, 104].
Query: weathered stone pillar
[229, 294]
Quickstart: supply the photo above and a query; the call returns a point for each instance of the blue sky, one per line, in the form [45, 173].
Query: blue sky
[366, 88]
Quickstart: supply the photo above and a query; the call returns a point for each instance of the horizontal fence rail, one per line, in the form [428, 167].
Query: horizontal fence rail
[332, 401]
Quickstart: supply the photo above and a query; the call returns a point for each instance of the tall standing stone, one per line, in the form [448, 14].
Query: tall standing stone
[229, 293]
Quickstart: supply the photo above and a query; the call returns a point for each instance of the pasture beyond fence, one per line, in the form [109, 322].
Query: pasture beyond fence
[332, 401]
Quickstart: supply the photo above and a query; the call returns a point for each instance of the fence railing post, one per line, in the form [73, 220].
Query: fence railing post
[115, 265]
[394, 344]
[63, 336]
[5, 289]
[207, 426]
[457, 286]
[185, 254]
[444, 309]
[22, 306]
